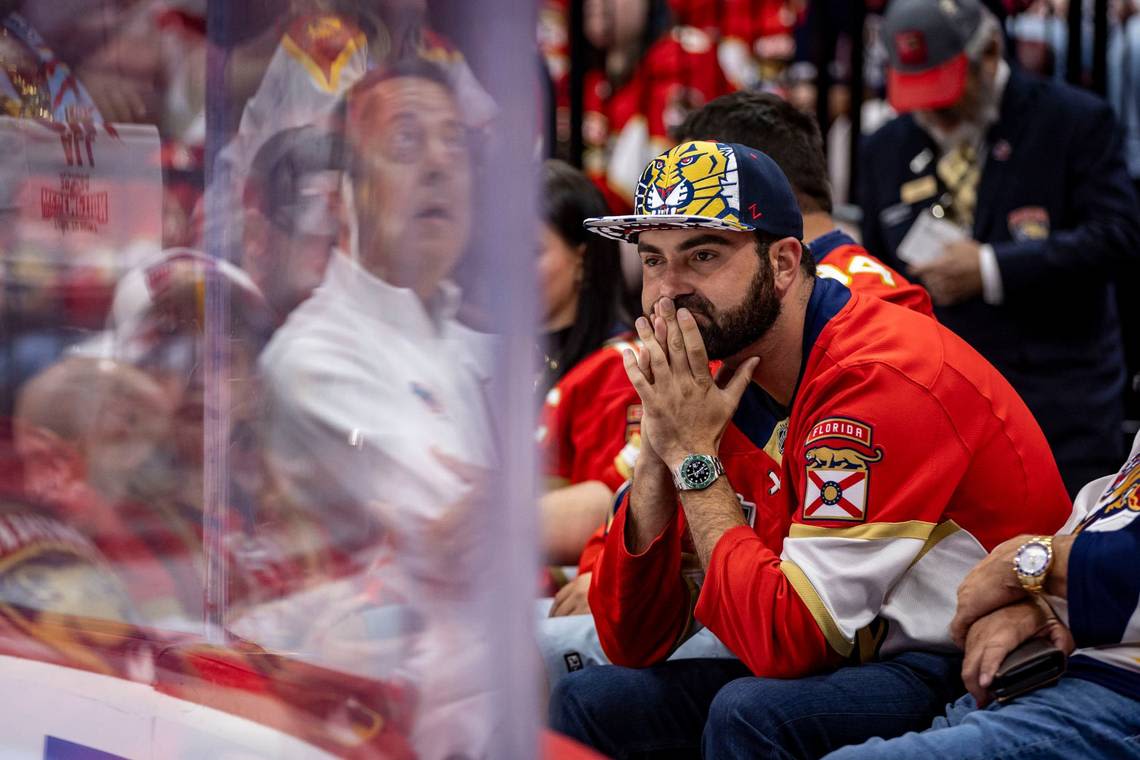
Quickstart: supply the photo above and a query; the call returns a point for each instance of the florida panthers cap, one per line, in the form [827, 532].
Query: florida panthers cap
[927, 42]
[709, 185]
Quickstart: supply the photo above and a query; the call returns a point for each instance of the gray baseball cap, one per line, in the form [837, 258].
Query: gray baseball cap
[927, 42]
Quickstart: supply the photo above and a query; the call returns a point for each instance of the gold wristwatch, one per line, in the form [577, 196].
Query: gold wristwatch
[1032, 563]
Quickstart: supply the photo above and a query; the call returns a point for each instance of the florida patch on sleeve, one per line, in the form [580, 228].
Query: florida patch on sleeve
[838, 454]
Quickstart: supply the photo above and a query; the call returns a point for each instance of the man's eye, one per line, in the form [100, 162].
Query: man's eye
[456, 139]
[405, 139]
[704, 255]
[650, 262]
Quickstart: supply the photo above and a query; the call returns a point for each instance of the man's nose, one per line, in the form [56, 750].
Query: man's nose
[674, 282]
[439, 159]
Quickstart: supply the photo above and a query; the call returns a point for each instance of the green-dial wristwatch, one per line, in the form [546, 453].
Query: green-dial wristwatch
[697, 472]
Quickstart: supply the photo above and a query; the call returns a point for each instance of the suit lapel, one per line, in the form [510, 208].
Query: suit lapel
[1002, 156]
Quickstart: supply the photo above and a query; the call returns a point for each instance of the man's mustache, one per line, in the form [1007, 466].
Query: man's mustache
[693, 302]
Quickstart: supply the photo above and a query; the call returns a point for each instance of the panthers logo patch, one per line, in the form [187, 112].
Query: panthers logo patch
[838, 473]
[692, 179]
[1029, 223]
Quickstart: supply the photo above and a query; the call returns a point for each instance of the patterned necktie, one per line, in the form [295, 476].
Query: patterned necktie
[960, 173]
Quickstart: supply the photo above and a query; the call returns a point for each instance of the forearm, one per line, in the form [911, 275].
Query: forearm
[569, 516]
[710, 514]
[652, 502]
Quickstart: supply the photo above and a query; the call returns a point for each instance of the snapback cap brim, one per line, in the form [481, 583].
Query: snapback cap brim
[625, 227]
[937, 87]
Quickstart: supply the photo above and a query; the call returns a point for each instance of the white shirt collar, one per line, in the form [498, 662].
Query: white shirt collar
[400, 307]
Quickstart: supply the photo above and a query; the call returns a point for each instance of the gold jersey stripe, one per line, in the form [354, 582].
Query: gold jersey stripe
[818, 609]
[869, 532]
[944, 530]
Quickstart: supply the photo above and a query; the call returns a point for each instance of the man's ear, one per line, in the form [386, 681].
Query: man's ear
[785, 255]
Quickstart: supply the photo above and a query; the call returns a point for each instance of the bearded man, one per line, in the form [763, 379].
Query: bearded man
[905, 457]
[1032, 176]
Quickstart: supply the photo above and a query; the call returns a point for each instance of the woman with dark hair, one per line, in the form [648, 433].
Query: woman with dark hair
[586, 326]
[580, 274]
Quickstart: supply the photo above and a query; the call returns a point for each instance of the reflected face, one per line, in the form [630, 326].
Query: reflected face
[295, 262]
[88, 422]
[287, 246]
[180, 368]
[412, 190]
[175, 357]
[560, 277]
[299, 271]
[719, 277]
[132, 418]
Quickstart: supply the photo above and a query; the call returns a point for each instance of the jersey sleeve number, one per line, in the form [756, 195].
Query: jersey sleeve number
[857, 265]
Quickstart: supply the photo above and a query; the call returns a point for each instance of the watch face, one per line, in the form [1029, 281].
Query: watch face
[697, 471]
[1032, 559]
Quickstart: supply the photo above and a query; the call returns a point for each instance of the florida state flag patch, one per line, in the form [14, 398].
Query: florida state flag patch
[839, 454]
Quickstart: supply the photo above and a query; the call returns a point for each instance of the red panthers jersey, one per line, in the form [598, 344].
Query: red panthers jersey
[592, 420]
[907, 458]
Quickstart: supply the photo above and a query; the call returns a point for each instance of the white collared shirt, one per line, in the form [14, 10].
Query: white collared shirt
[364, 383]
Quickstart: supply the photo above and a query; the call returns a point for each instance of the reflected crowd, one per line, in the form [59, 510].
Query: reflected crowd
[258, 430]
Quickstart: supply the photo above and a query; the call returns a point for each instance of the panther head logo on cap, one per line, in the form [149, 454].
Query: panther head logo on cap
[697, 178]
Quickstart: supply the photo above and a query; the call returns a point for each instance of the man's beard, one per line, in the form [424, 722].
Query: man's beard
[975, 120]
[728, 332]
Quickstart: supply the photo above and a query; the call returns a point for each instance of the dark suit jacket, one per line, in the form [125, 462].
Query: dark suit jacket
[1054, 157]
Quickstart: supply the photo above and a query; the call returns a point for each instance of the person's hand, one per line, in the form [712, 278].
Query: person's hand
[990, 585]
[573, 598]
[683, 409]
[995, 635]
[955, 276]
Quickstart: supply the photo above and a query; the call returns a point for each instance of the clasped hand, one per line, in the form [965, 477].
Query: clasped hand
[684, 409]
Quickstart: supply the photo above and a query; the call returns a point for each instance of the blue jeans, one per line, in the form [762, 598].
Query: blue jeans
[686, 708]
[1075, 718]
[571, 643]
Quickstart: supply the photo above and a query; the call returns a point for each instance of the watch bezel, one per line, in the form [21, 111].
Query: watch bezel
[1033, 582]
[690, 484]
[1022, 552]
